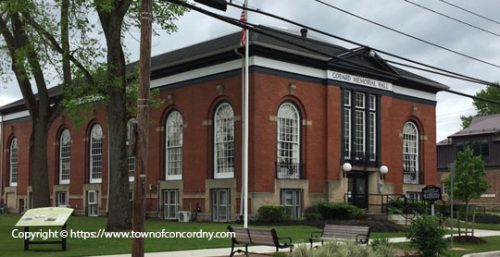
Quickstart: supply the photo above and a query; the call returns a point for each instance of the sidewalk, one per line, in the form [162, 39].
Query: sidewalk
[265, 249]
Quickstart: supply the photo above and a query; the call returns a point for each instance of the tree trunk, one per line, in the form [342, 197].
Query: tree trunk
[39, 180]
[119, 208]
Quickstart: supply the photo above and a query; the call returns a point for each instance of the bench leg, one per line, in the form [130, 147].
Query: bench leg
[232, 250]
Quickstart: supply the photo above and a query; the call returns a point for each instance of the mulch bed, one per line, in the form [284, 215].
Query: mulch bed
[469, 239]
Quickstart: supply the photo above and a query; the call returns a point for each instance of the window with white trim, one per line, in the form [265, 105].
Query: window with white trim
[61, 199]
[221, 205]
[288, 141]
[410, 153]
[64, 157]
[291, 200]
[170, 203]
[92, 203]
[224, 141]
[174, 127]
[95, 159]
[13, 160]
[359, 127]
[131, 123]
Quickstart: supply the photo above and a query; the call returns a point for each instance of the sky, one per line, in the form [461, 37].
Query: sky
[398, 14]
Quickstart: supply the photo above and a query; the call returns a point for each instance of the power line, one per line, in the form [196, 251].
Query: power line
[442, 72]
[452, 18]
[471, 12]
[408, 35]
[253, 27]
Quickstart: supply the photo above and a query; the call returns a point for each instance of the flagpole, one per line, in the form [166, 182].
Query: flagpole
[245, 129]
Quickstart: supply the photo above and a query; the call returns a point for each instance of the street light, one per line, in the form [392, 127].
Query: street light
[346, 168]
[383, 170]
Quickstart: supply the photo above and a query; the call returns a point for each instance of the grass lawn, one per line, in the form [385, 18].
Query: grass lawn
[459, 249]
[13, 247]
[475, 225]
[79, 247]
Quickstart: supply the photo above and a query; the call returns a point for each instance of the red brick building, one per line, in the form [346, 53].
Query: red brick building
[309, 114]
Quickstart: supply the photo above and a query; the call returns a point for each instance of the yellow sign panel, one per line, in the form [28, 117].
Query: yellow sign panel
[45, 217]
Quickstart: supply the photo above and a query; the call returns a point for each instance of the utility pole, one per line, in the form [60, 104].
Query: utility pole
[452, 188]
[142, 127]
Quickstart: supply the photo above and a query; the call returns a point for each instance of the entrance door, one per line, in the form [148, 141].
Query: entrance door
[358, 189]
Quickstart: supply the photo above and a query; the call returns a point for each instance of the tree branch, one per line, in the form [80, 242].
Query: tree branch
[55, 45]
[18, 67]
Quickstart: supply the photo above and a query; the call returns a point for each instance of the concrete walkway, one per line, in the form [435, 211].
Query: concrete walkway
[267, 249]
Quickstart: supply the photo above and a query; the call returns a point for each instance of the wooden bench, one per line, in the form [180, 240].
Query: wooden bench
[250, 236]
[358, 234]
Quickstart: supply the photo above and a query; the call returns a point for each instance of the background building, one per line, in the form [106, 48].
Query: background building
[483, 136]
[309, 114]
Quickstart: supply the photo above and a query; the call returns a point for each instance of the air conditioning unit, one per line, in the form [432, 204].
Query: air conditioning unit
[184, 216]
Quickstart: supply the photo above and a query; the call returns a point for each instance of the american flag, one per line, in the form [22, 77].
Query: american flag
[243, 19]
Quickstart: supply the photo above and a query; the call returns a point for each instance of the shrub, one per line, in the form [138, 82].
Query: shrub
[382, 248]
[339, 249]
[271, 213]
[397, 206]
[340, 211]
[426, 235]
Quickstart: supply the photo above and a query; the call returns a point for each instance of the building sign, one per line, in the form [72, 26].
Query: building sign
[488, 195]
[42, 217]
[431, 193]
[367, 82]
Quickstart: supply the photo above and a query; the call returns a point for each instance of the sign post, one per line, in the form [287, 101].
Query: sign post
[431, 194]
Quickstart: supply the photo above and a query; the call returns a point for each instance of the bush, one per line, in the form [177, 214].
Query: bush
[341, 211]
[339, 249]
[397, 206]
[426, 235]
[271, 213]
[382, 247]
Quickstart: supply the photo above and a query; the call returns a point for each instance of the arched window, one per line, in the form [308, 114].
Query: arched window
[131, 137]
[288, 141]
[410, 153]
[13, 153]
[64, 156]
[96, 154]
[173, 146]
[224, 141]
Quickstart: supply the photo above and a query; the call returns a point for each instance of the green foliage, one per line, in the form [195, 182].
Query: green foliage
[340, 211]
[397, 206]
[466, 120]
[271, 213]
[313, 213]
[343, 249]
[427, 236]
[485, 108]
[382, 247]
[470, 177]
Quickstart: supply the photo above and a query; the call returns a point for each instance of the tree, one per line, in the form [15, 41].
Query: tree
[466, 121]
[100, 73]
[492, 92]
[25, 51]
[470, 177]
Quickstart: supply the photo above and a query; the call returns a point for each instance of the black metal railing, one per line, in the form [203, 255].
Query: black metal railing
[288, 170]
